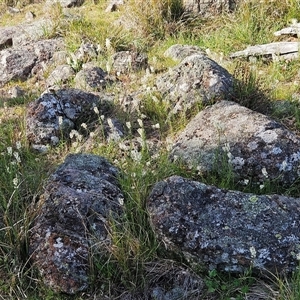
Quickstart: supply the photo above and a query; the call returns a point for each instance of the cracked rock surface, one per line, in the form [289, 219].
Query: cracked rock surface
[75, 210]
[255, 147]
[226, 230]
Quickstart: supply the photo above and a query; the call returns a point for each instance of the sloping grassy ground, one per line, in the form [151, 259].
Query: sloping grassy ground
[159, 24]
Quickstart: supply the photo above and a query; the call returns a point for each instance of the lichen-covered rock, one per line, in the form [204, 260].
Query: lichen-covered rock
[92, 78]
[60, 75]
[66, 3]
[129, 61]
[20, 34]
[53, 115]
[114, 5]
[180, 52]
[78, 203]
[197, 79]
[18, 63]
[252, 145]
[209, 8]
[226, 230]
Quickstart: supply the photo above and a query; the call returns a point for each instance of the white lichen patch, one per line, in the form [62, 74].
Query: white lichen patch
[252, 252]
[237, 162]
[268, 136]
[252, 145]
[276, 150]
[59, 243]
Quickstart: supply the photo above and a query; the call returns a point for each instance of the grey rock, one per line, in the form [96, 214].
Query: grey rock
[30, 16]
[53, 115]
[16, 92]
[16, 64]
[87, 51]
[129, 61]
[114, 5]
[60, 75]
[78, 203]
[92, 78]
[60, 57]
[226, 230]
[180, 52]
[197, 79]
[209, 8]
[19, 63]
[26, 32]
[255, 147]
[66, 3]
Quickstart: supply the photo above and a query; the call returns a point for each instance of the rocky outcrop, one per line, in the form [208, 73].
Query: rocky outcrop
[20, 34]
[114, 5]
[226, 230]
[92, 78]
[66, 3]
[60, 75]
[180, 52]
[252, 145]
[53, 115]
[209, 7]
[197, 79]
[79, 201]
[19, 63]
[128, 61]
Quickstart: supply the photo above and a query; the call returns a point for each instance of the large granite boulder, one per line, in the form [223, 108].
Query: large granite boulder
[252, 145]
[19, 63]
[66, 3]
[226, 230]
[180, 52]
[129, 61]
[92, 78]
[209, 8]
[20, 34]
[75, 210]
[60, 75]
[197, 79]
[55, 114]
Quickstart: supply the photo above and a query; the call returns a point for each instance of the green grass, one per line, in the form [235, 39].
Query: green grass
[158, 25]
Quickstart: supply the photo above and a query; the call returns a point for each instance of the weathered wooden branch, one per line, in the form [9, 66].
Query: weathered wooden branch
[292, 30]
[278, 50]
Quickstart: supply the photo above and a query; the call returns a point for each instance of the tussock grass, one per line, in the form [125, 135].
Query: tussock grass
[136, 259]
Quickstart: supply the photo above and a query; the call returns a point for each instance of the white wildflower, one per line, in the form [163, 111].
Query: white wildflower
[140, 122]
[9, 151]
[226, 147]
[110, 123]
[261, 186]
[252, 252]
[72, 133]
[83, 125]
[92, 134]
[128, 125]
[102, 117]
[17, 157]
[18, 145]
[108, 44]
[96, 110]
[135, 155]
[121, 201]
[15, 182]
[60, 120]
[264, 172]
[156, 126]
[141, 132]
